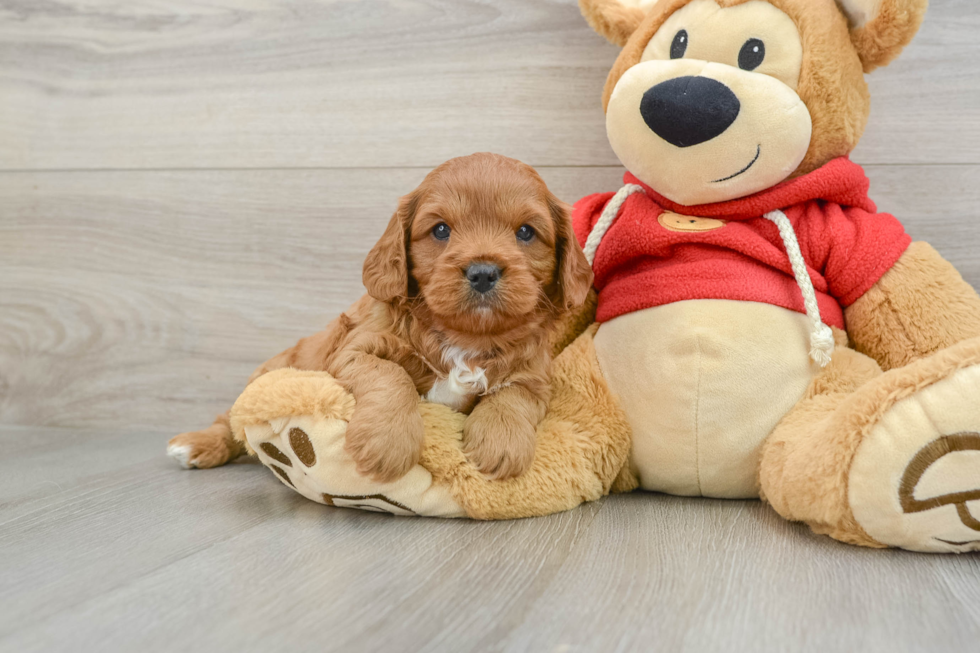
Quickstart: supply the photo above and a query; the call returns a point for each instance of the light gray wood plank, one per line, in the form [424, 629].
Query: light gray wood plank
[284, 84]
[661, 573]
[925, 107]
[144, 556]
[144, 299]
[281, 83]
[150, 557]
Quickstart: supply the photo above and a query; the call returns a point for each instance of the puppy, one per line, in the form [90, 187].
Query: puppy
[463, 290]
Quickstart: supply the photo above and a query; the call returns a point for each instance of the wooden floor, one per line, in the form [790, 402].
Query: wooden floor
[187, 187]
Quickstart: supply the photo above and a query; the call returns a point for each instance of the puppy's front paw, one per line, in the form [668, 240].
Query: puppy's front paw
[498, 443]
[385, 444]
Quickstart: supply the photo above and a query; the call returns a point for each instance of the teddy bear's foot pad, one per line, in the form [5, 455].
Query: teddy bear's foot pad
[296, 422]
[915, 479]
[307, 454]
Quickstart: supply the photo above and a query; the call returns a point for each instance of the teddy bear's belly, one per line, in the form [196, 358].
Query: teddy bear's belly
[703, 383]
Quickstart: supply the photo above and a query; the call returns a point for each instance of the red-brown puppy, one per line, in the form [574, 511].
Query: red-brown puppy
[463, 289]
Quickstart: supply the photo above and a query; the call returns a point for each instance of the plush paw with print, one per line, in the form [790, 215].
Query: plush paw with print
[296, 423]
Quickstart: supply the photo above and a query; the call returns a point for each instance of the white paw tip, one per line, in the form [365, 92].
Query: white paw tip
[181, 453]
[278, 424]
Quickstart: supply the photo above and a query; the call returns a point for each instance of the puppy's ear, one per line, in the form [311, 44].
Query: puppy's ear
[881, 28]
[386, 274]
[573, 274]
[616, 20]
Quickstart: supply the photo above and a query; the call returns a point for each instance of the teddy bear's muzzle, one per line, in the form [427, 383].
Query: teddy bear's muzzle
[725, 132]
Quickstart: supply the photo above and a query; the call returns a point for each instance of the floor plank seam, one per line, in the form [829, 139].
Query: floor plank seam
[582, 166]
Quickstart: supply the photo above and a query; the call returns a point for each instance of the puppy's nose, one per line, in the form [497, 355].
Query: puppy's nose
[688, 111]
[482, 276]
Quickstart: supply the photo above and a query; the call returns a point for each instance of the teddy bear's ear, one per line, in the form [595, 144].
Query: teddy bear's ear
[615, 19]
[881, 28]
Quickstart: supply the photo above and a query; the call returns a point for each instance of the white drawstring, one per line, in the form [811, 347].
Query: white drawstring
[609, 215]
[821, 336]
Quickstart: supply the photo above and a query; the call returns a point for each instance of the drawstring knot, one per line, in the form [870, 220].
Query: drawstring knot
[821, 335]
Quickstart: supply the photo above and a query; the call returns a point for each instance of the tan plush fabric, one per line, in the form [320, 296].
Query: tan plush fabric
[804, 463]
[831, 83]
[285, 392]
[915, 479]
[834, 57]
[727, 31]
[805, 471]
[296, 422]
[615, 19]
[703, 384]
[772, 119]
[920, 306]
[890, 26]
[307, 454]
[582, 446]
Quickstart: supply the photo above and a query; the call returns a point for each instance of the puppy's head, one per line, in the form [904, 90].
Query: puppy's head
[484, 243]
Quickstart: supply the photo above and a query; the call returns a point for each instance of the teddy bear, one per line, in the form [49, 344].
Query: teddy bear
[757, 329]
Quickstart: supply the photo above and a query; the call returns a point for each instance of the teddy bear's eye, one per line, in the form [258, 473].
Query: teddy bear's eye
[679, 46]
[752, 54]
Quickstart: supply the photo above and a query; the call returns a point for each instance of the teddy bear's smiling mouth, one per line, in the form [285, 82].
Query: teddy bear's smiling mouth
[758, 153]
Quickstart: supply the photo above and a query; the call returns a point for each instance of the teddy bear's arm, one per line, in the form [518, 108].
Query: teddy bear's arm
[920, 306]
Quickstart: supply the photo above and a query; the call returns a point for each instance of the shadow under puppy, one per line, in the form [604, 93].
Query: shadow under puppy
[463, 290]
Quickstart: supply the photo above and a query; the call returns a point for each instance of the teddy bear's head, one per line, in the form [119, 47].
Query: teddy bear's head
[712, 100]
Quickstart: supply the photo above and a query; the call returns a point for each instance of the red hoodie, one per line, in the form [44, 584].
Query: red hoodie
[738, 254]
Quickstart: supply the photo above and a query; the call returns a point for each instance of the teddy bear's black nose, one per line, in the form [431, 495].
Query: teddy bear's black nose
[688, 111]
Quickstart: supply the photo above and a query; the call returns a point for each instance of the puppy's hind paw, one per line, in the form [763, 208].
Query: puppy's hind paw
[181, 453]
[200, 449]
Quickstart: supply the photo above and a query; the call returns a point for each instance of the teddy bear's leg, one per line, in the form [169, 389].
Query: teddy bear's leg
[803, 469]
[296, 422]
[581, 450]
[884, 459]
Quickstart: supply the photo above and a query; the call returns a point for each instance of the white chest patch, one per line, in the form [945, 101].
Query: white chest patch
[463, 382]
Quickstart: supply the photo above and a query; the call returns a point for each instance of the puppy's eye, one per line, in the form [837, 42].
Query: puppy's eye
[525, 234]
[752, 54]
[441, 231]
[679, 46]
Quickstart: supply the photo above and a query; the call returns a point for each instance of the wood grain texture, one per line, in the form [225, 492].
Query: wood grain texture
[188, 187]
[148, 297]
[377, 83]
[133, 554]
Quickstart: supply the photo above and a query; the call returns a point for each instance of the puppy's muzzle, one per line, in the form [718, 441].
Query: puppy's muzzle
[687, 111]
[483, 277]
